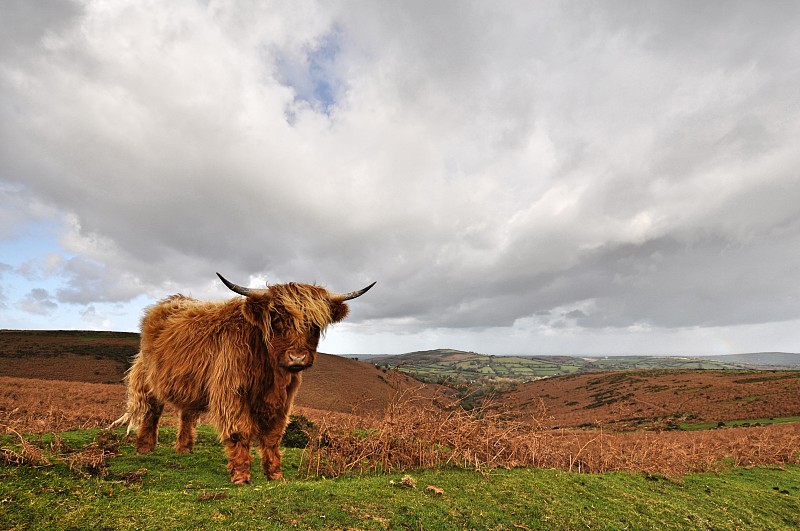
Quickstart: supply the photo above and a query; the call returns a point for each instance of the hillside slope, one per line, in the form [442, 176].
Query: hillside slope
[340, 384]
[630, 399]
[96, 357]
[334, 383]
[90, 366]
[36, 403]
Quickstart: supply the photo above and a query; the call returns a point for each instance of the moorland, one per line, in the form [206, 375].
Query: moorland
[677, 448]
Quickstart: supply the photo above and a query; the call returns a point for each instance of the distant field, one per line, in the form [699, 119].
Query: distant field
[693, 426]
[453, 367]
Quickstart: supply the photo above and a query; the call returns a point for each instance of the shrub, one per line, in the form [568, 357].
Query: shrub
[297, 430]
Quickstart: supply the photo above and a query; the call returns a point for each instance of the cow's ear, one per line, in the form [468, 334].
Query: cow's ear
[339, 311]
[256, 310]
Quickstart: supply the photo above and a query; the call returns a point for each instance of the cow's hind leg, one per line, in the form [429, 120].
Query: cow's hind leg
[270, 437]
[185, 441]
[147, 436]
[239, 458]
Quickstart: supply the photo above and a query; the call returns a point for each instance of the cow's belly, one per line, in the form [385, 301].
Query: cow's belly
[183, 393]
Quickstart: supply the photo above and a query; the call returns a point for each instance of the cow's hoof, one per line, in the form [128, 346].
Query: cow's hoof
[276, 477]
[240, 479]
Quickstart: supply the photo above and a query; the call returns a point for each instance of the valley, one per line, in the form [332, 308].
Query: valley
[450, 366]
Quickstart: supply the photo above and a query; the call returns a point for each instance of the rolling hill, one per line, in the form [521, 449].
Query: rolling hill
[455, 366]
[74, 379]
[762, 359]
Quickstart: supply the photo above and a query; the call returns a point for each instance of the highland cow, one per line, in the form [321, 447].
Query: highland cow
[238, 361]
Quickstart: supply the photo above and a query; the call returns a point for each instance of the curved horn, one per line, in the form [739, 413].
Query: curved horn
[234, 287]
[341, 297]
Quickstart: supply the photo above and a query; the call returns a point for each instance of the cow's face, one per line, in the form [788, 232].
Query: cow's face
[294, 339]
[294, 347]
[292, 331]
[292, 318]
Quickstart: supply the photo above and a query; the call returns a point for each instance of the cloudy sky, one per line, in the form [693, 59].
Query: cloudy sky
[534, 178]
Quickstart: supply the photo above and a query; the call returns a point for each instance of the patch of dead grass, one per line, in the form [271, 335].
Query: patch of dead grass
[413, 434]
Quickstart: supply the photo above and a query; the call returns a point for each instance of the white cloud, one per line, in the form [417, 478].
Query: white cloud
[486, 163]
[95, 319]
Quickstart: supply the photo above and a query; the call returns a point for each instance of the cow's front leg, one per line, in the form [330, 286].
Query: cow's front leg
[239, 458]
[147, 436]
[186, 434]
[270, 438]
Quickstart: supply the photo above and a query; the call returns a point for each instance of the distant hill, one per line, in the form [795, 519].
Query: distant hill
[85, 356]
[344, 385]
[62, 355]
[762, 359]
[60, 380]
[454, 366]
[120, 346]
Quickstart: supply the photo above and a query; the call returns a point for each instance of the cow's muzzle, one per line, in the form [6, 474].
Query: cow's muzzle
[298, 363]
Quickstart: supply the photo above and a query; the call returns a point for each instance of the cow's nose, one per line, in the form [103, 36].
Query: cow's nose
[297, 360]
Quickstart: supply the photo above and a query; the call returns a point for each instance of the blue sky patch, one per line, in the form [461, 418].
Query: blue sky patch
[314, 76]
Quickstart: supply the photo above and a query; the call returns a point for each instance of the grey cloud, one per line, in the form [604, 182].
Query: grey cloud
[89, 281]
[38, 301]
[26, 24]
[612, 164]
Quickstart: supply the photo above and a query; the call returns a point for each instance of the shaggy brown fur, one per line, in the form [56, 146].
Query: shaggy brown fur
[238, 361]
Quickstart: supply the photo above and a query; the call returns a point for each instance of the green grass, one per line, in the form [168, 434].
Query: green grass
[436, 366]
[743, 422]
[193, 492]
